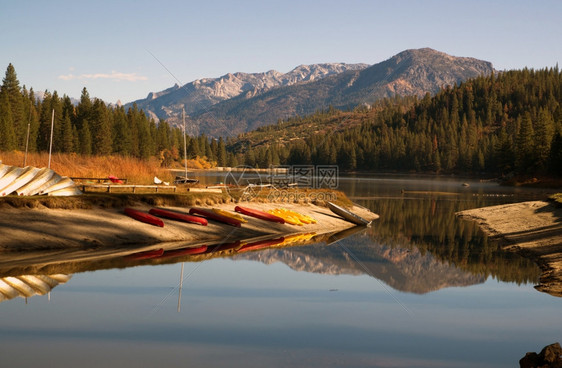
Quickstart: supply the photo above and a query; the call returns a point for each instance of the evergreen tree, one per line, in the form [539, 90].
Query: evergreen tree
[85, 138]
[11, 88]
[67, 138]
[221, 155]
[101, 129]
[7, 134]
[555, 157]
[544, 131]
[122, 139]
[525, 157]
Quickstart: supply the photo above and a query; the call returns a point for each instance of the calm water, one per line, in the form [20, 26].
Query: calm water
[419, 289]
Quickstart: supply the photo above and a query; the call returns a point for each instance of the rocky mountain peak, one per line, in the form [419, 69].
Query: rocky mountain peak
[238, 102]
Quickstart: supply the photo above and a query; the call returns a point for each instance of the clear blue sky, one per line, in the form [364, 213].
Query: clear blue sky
[106, 46]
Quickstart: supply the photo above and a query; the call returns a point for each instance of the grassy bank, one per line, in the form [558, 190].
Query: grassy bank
[114, 200]
[557, 198]
[135, 170]
[187, 199]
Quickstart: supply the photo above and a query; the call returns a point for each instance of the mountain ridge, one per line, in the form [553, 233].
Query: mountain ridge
[198, 95]
[239, 102]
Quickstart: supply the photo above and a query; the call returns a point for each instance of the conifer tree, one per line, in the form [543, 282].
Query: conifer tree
[11, 87]
[525, 157]
[67, 137]
[544, 131]
[101, 129]
[7, 134]
[85, 138]
[221, 155]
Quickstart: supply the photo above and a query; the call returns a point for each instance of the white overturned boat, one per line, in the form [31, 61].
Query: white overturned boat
[10, 176]
[31, 181]
[43, 176]
[25, 177]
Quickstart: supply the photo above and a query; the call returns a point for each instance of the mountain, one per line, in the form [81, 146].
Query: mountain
[197, 96]
[236, 103]
[402, 268]
[412, 72]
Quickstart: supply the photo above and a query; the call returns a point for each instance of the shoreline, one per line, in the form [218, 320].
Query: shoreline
[531, 229]
[39, 237]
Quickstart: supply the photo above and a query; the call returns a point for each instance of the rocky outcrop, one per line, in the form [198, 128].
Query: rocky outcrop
[549, 357]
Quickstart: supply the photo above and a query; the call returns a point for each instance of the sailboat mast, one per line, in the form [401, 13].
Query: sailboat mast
[184, 142]
[27, 137]
[51, 144]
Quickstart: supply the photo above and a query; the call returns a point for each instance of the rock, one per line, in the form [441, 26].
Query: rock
[549, 357]
[552, 354]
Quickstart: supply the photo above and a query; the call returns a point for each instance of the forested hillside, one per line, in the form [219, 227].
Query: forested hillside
[502, 123]
[509, 122]
[91, 127]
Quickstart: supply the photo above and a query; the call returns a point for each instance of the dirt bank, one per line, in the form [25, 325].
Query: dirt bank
[26, 229]
[532, 229]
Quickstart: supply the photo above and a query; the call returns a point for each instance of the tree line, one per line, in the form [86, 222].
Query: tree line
[508, 122]
[92, 127]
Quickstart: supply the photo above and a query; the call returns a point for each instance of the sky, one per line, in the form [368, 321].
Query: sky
[122, 50]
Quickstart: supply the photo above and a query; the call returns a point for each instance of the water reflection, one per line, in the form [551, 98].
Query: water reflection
[26, 286]
[417, 246]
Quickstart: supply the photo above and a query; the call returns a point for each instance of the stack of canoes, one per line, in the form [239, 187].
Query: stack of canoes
[292, 217]
[201, 215]
[31, 180]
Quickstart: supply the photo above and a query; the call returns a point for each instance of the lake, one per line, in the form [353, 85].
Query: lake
[420, 288]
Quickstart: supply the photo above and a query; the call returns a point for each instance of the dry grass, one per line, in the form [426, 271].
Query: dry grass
[136, 171]
[557, 198]
[115, 200]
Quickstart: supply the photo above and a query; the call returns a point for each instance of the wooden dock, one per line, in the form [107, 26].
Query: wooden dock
[110, 187]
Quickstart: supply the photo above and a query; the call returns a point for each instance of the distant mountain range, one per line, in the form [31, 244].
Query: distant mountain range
[240, 102]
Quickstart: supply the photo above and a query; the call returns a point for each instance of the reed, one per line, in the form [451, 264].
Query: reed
[135, 170]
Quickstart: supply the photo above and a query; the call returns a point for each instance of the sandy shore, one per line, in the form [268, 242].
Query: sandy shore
[532, 229]
[47, 235]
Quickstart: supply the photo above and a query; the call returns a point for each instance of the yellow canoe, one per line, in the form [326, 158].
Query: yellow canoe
[302, 218]
[225, 213]
[285, 216]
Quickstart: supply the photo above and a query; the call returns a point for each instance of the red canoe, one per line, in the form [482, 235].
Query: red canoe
[144, 217]
[259, 214]
[178, 216]
[184, 252]
[215, 216]
[261, 244]
[146, 255]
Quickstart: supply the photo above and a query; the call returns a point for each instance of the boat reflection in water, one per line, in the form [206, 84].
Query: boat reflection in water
[37, 273]
[26, 286]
